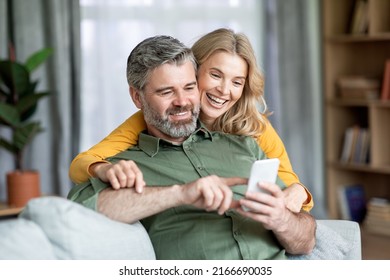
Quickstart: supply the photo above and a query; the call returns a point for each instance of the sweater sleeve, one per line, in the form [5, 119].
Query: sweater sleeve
[120, 139]
[271, 144]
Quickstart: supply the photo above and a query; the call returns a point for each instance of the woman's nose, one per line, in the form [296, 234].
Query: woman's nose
[224, 87]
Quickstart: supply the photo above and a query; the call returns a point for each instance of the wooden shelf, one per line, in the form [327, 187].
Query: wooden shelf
[7, 211]
[346, 54]
[369, 168]
[358, 103]
[359, 38]
[375, 246]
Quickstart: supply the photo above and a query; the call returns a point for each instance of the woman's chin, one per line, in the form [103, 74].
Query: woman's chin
[211, 113]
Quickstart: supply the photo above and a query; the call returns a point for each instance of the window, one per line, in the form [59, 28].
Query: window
[110, 29]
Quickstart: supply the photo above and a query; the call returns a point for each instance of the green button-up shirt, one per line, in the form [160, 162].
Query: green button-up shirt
[186, 232]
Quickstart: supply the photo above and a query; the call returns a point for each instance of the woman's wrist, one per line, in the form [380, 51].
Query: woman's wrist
[94, 168]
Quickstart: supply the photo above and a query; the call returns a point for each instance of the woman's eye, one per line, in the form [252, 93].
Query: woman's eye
[215, 75]
[237, 83]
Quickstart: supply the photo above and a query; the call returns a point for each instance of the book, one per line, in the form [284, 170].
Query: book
[356, 145]
[360, 154]
[347, 146]
[352, 201]
[378, 209]
[358, 87]
[365, 148]
[385, 92]
[378, 216]
[359, 20]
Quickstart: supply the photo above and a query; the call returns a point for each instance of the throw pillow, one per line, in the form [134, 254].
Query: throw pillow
[77, 232]
[21, 239]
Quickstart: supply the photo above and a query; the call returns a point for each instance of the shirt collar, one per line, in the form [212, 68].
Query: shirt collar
[150, 144]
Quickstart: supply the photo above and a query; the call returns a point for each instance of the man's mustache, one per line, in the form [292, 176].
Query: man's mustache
[180, 109]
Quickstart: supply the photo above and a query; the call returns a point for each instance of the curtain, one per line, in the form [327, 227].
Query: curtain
[37, 24]
[293, 87]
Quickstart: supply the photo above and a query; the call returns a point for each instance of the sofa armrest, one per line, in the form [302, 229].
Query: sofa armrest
[350, 231]
[335, 240]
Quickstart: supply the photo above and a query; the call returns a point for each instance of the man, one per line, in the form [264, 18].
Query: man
[192, 204]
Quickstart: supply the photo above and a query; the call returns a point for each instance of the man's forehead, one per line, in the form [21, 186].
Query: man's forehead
[172, 75]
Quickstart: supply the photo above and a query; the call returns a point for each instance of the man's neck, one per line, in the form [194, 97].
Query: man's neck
[158, 134]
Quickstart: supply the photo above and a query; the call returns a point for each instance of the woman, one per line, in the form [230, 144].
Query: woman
[231, 88]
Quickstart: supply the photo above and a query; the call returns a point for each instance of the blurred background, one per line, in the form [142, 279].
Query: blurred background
[91, 40]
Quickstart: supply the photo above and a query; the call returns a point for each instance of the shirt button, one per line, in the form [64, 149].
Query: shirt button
[236, 233]
[200, 168]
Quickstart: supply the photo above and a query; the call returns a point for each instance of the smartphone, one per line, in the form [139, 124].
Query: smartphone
[262, 170]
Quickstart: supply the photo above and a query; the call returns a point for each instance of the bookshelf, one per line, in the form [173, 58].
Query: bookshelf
[355, 54]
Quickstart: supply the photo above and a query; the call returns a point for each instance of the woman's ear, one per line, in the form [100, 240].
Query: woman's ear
[135, 96]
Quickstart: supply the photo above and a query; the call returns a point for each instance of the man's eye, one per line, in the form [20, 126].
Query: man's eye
[164, 93]
[215, 75]
[190, 88]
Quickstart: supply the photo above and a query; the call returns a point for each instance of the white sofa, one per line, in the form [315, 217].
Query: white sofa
[56, 228]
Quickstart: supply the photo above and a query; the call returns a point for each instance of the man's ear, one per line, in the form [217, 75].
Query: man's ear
[135, 96]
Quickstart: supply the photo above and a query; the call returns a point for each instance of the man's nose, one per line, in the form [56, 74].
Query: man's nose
[181, 99]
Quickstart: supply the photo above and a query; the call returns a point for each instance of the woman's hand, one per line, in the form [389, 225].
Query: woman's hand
[123, 174]
[294, 196]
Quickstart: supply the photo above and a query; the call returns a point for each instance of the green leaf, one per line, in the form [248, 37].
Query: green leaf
[29, 101]
[37, 58]
[8, 146]
[14, 76]
[25, 133]
[30, 89]
[28, 92]
[9, 115]
[3, 93]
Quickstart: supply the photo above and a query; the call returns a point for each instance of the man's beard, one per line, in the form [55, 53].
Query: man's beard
[179, 129]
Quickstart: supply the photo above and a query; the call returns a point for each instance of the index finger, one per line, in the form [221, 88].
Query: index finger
[234, 181]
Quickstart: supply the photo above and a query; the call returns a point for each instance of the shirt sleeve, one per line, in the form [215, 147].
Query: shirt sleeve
[120, 139]
[87, 193]
[271, 144]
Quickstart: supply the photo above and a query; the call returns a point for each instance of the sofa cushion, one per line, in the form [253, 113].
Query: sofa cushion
[21, 239]
[77, 232]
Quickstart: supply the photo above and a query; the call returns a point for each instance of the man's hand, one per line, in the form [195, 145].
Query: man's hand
[295, 231]
[123, 174]
[267, 208]
[211, 193]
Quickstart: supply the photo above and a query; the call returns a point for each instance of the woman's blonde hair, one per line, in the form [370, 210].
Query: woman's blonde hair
[244, 117]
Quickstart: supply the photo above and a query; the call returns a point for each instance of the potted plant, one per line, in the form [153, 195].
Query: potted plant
[18, 102]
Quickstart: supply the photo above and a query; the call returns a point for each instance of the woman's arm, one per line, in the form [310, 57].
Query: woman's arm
[123, 137]
[298, 196]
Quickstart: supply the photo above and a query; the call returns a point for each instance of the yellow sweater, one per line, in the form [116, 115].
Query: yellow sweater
[126, 135]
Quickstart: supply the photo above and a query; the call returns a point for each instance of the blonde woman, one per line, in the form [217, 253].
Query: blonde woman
[231, 88]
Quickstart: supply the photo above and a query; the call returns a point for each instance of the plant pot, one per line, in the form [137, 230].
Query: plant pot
[22, 186]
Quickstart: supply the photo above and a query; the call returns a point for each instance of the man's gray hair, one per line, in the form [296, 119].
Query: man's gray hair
[154, 52]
